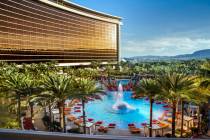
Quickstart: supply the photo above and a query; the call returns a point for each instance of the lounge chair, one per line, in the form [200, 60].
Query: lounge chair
[135, 130]
[154, 121]
[77, 111]
[131, 125]
[67, 109]
[143, 124]
[163, 125]
[169, 120]
[103, 129]
[98, 123]
[77, 107]
[112, 125]
[90, 120]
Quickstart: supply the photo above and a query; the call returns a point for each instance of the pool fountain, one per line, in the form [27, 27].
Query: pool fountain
[120, 108]
[120, 105]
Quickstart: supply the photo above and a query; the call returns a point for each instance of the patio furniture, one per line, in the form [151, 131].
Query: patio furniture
[154, 121]
[98, 123]
[27, 124]
[144, 124]
[90, 119]
[112, 125]
[169, 120]
[158, 127]
[135, 130]
[189, 121]
[103, 129]
[67, 109]
[131, 125]
[77, 111]
[79, 104]
[77, 107]
[163, 125]
[89, 126]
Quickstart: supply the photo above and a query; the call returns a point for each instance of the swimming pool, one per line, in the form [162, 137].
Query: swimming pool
[102, 110]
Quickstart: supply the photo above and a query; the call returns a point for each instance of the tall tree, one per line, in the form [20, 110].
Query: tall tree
[199, 97]
[19, 86]
[85, 88]
[174, 86]
[59, 88]
[150, 88]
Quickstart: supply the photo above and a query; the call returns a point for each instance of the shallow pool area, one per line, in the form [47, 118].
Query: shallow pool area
[102, 110]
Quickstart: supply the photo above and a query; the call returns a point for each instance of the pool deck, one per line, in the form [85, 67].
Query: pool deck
[39, 113]
[111, 132]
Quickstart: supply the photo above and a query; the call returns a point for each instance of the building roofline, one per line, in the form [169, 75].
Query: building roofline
[91, 10]
[81, 10]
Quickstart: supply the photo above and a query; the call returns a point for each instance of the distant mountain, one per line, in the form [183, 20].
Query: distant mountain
[201, 54]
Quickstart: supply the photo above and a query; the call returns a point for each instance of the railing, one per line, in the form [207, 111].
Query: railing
[10, 134]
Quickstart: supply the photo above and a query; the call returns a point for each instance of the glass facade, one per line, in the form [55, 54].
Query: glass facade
[31, 30]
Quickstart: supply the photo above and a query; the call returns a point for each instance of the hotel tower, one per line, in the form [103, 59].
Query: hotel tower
[56, 30]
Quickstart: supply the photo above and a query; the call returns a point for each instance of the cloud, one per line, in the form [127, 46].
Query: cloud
[164, 46]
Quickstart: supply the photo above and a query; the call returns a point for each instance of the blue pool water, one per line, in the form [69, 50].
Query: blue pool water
[101, 110]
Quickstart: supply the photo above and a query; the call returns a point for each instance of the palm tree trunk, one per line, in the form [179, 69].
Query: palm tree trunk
[50, 117]
[150, 124]
[64, 120]
[173, 118]
[198, 117]
[45, 109]
[61, 115]
[31, 110]
[177, 105]
[18, 111]
[84, 116]
[182, 117]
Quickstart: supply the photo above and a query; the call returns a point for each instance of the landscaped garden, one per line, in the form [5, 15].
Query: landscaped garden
[168, 99]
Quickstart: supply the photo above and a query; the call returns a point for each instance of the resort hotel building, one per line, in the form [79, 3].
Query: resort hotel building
[56, 30]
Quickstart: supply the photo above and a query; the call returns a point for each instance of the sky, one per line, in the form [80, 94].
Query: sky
[158, 27]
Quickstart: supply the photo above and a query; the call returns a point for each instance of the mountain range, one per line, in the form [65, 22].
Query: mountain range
[201, 54]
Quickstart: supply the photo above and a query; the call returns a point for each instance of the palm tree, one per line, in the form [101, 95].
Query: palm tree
[85, 88]
[174, 87]
[199, 97]
[109, 70]
[151, 89]
[16, 84]
[95, 64]
[59, 89]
